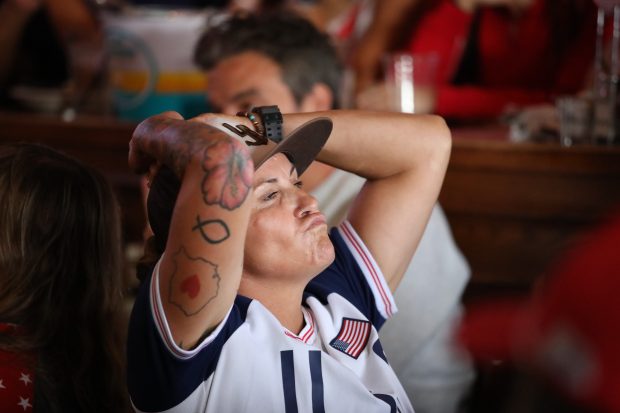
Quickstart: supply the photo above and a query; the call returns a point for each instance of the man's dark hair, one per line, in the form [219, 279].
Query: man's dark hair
[305, 55]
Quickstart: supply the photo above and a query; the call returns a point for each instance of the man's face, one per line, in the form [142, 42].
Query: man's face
[249, 79]
[287, 235]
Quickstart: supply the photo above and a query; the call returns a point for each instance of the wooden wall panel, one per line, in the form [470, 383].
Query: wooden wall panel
[514, 208]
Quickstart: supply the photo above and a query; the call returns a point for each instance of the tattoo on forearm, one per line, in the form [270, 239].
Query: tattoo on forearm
[242, 130]
[227, 167]
[228, 175]
[195, 140]
[195, 287]
[213, 231]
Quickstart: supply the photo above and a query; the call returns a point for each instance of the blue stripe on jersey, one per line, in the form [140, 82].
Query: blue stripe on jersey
[316, 374]
[345, 278]
[156, 379]
[378, 349]
[288, 381]
[389, 400]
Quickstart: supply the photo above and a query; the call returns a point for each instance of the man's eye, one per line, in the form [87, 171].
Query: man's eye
[270, 196]
[299, 184]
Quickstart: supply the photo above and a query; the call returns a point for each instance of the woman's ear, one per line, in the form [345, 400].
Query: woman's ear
[319, 98]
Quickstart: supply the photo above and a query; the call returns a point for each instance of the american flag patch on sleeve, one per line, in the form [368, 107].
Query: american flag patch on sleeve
[353, 337]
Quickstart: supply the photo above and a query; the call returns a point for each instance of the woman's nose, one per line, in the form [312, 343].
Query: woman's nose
[307, 205]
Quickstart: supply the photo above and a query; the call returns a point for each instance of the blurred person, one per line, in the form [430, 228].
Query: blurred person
[562, 343]
[282, 59]
[389, 23]
[13, 14]
[60, 285]
[494, 56]
[343, 20]
[253, 305]
[47, 45]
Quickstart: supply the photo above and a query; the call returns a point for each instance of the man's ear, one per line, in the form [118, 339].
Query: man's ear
[319, 98]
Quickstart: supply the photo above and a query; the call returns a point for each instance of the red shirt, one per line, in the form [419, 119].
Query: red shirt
[16, 379]
[515, 64]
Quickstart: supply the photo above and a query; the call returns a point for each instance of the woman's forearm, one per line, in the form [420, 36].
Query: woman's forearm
[378, 144]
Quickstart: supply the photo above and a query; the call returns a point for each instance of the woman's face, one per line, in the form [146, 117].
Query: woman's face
[287, 235]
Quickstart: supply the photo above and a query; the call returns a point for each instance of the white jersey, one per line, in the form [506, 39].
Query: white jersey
[250, 362]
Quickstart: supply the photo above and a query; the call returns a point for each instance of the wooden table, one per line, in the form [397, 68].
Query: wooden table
[512, 207]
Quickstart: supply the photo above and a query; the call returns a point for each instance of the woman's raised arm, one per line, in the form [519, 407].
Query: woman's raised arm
[200, 270]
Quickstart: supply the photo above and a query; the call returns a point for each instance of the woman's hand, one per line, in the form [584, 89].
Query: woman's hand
[168, 139]
[142, 151]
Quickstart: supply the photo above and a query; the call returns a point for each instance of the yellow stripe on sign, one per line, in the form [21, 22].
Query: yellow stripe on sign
[172, 82]
[130, 81]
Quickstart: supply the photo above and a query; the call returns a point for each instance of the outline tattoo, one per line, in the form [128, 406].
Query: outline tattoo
[189, 285]
[200, 225]
[243, 131]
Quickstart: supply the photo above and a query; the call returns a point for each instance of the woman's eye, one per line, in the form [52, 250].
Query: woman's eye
[299, 184]
[270, 196]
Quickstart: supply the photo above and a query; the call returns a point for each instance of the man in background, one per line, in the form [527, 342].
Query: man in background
[283, 60]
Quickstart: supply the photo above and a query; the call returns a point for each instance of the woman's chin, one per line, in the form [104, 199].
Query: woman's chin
[324, 254]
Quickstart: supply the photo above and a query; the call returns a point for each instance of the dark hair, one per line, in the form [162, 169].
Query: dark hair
[305, 55]
[61, 278]
[160, 206]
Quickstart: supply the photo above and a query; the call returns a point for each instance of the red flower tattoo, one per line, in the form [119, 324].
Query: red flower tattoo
[228, 177]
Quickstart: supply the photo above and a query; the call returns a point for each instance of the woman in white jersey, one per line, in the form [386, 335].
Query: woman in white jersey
[253, 305]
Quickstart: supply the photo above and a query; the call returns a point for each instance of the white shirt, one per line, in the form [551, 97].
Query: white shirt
[250, 362]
